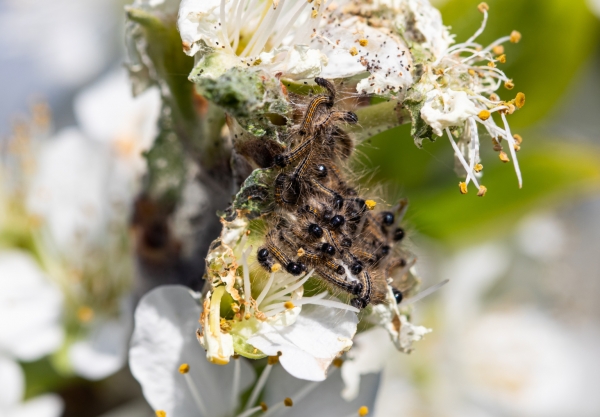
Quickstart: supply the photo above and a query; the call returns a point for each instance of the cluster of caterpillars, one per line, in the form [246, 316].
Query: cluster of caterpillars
[320, 221]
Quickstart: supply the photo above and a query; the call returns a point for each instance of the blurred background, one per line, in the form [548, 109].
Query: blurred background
[517, 330]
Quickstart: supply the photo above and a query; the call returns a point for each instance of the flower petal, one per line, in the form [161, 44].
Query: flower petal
[310, 345]
[368, 355]
[68, 190]
[30, 307]
[324, 397]
[166, 321]
[384, 56]
[447, 109]
[49, 405]
[104, 351]
[196, 22]
[108, 112]
[12, 381]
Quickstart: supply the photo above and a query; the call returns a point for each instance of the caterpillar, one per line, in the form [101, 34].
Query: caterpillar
[320, 221]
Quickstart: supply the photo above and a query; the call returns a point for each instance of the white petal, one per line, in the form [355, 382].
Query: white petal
[12, 381]
[447, 109]
[302, 63]
[527, 364]
[324, 398]
[428, 22]
[166, 321]
[104, 350]
[49, 405]
[68, 190]
[387, 61]
[30, 307]
[196, 21]
[472, 272]
[309, 346]
[368, 355]
[542, 236]
[107, 111]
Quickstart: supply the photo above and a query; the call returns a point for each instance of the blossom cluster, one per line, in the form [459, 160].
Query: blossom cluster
[256, 61]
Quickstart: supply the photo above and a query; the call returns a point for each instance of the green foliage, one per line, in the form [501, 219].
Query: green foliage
[558, 37]
[553, 170]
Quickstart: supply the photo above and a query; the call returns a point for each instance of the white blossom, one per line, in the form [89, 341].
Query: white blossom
[167, 361]
[295, 40]
[12, 381]
[270, 313]
[458, 90]
[73, 193]
[31, 307]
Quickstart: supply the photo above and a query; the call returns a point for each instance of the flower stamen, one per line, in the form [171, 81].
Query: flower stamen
[195, 392]
[423, 294]
[260, 384]
[461, 158]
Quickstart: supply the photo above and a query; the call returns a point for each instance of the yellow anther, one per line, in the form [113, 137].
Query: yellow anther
[483, 7]
[502, 59]
[184, 368]
[289, 305]
[515, 36]
[471, 72]
[462, 186]
[314, 14]
[247, 316]
[264, 406]
[520, 100]
[518, 139]
[338, 362]
[370, 204]
[494, 97]
[353, 51]
[248, 232]
[482, 191]
[498, 50]
[224, 325]
[161, 413]
[301, 252]
[363, 411]
[275, 267]
[503, 156]
[288, 402]
[85, 314]
[511, 108]
[509, 85]
[363, 42]
[478, 167]
[484, 115]
[235, 307]
[516, 147]
[491, 64]
[272, 360]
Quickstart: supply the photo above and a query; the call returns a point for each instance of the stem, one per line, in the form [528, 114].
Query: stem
[378, 118]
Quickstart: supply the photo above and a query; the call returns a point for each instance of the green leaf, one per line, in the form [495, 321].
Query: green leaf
[558, 37]
[554, 171]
